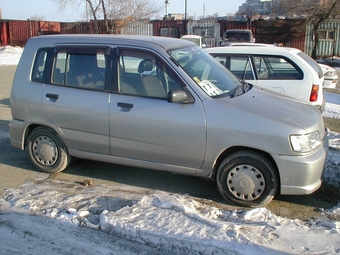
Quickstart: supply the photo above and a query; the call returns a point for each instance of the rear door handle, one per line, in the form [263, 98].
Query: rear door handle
[125, 105]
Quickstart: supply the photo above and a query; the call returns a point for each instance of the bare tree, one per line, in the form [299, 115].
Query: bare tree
[109, 16]
[37, 17]
[313, 11]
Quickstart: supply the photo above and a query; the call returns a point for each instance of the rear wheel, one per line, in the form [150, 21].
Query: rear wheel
[46, 150]
[247, 178]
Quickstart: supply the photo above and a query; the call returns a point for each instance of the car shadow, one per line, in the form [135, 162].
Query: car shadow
[5, 101]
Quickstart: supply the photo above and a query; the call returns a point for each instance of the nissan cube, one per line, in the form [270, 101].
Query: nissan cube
[164, 104]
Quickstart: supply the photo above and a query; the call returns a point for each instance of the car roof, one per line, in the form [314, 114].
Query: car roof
[233, 44]
[252, 50]
[239, 30]
[164, 42]
[191, 36]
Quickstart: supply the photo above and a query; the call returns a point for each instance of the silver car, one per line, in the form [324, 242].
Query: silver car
[165, 104]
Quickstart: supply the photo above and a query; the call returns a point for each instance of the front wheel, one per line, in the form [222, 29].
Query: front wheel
[46, 151]
[247, 178]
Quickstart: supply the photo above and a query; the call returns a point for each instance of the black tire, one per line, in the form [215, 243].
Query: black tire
[46, 151]
[247, 178]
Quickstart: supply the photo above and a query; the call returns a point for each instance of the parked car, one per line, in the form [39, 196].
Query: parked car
[330, 75]
[237, 35]
[232, 44]
[196, 39]
[165, 104]
[285, 70]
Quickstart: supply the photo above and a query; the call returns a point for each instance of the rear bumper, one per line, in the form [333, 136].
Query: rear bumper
[301, 175]
[17, 131]
[330, 83]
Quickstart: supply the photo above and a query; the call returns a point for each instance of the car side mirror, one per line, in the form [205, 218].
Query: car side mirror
[179, 96]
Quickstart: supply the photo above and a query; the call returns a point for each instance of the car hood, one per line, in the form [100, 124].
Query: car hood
[279, 107]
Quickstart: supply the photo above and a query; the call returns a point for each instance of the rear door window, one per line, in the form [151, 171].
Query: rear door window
[81, 68]
[240, 66]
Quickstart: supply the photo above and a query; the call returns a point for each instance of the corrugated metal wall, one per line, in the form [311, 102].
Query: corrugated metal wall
[170, 28]
[17, 32]
[210, 30]
[285, 32]
[75, 28]
[138, 28]
[20, 31]
[326, 47]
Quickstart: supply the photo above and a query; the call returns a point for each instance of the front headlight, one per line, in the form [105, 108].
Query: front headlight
[329, 74]
[305, 143]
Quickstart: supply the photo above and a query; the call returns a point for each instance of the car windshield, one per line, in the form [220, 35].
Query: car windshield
[212, 77]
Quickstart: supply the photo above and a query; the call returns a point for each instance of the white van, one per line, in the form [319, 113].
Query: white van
[197, 39]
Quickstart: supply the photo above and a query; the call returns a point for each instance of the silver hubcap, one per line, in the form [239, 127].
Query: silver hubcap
[45, 150]
[246, 182]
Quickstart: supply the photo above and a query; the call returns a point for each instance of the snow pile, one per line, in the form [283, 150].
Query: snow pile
[170, 221]
[332, 107]
[10, 55]
[176, 223]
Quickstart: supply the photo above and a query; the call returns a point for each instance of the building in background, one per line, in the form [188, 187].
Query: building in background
[253, 8]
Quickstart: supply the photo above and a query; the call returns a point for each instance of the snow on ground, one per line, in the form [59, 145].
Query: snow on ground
[10, 55]
[59, 217]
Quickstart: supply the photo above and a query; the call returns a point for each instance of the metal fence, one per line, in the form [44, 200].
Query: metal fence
[290, 33]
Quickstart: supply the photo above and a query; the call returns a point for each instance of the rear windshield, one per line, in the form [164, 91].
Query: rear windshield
[238, 36]
[312, 63]
[194, 40]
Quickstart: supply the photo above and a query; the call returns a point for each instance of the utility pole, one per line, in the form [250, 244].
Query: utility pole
[87, 12]
[203, 10]
[185, 17]
[166, 7]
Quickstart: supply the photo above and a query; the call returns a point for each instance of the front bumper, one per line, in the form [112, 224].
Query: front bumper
[301, 175]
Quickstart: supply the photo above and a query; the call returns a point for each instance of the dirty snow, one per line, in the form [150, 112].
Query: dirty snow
[59, 217]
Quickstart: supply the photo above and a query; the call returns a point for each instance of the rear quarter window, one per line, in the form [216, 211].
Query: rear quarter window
[40, 65]
[276, 68]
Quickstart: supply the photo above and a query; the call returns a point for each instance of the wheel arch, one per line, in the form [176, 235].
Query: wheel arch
[234, 149]
[33, 126]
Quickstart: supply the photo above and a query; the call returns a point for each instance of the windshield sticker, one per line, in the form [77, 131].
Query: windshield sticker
[210, 88]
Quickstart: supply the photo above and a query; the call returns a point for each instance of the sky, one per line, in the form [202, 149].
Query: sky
[25, 9]
[49, 216]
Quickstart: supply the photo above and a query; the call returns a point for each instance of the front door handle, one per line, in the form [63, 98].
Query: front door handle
[52, 97]
[125, 105]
